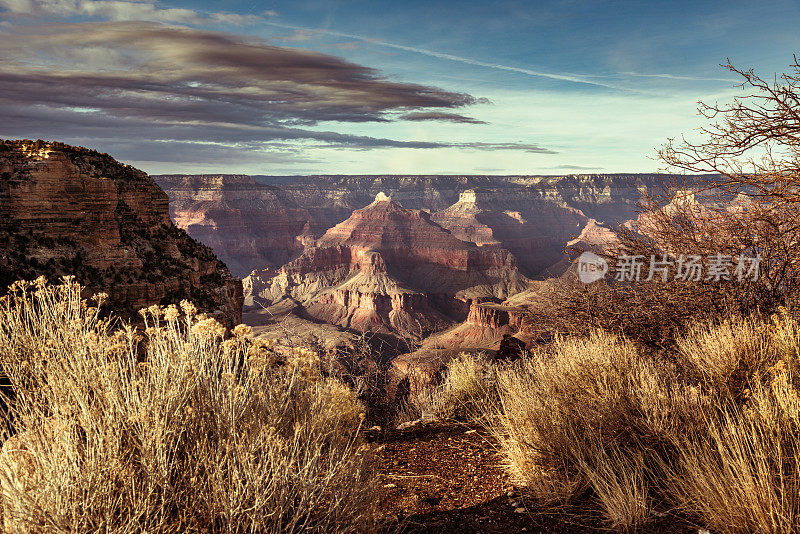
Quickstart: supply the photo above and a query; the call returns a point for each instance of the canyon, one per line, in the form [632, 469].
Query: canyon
[248, 225]
[426, 265]
[72, 211]
[263, 221]
[392, 270]
[437, 263]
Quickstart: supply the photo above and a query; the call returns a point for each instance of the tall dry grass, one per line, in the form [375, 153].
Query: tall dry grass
[741, 472]
[466, 394]
[726, 356]
[179, 432]
[590, 415]
[715, 437]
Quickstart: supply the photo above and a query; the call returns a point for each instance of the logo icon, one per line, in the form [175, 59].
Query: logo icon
[591, 267]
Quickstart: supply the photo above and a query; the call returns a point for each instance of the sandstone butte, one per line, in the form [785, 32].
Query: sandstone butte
[69, 210]
[391, 269]
[536, 238]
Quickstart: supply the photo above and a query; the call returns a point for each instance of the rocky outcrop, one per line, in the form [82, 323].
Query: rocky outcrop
[484, 328]
[463, 219]
[535, 233]
[67, 210]
[391, 269]
[495, 316]
[594, 236]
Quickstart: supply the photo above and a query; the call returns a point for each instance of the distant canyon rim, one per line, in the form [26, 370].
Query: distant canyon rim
[258, 222]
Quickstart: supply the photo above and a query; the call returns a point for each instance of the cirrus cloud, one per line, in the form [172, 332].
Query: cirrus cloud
[440, 116]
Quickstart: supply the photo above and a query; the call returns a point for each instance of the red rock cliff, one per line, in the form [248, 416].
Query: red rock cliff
[67, 210]
[248, 225]
[531, 216]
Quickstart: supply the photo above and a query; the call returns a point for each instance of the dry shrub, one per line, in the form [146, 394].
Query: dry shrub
[717, 438]
[784, 330]
[591, 416]
[467, 393]
[741, 472]
[725, 356]
[653, 313]
[619, 482]
[183, 433]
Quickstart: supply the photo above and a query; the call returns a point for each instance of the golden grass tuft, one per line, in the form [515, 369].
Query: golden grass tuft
[182, 431]
[724, 356]
[585, 415]
[467, 393]
[715, 438]
[741, 471]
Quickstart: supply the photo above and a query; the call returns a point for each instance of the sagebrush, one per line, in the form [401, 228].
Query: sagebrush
[708, 432]
[178, 430]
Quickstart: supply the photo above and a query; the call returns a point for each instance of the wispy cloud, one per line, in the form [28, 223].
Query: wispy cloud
[505, 146]
[568, 167]
[440, 116]
[679, 77]
[297, 36]
[349, 45]
[460, 59]
[143, 80]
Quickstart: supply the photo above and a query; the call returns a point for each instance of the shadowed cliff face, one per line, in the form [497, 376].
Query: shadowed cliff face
[248, 225]
[536, 235]
[67, 210]
[532, 216]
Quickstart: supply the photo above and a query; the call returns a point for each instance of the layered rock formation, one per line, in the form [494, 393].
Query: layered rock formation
[444, 268]
[67, 210]
[463, 219]
[536, 234]
[391, 269]
[532, 216]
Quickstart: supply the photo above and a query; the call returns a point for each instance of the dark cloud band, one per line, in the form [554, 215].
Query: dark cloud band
[124, 81]
[439, 116]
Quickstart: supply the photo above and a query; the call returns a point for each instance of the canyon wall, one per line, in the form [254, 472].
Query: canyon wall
[390, 269]
[67, 210]
[449, 262]
[264, 221]
[247, 224]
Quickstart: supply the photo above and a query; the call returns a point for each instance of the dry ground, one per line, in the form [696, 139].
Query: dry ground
[445, 478]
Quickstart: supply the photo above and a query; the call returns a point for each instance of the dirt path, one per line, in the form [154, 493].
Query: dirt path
[447, 479]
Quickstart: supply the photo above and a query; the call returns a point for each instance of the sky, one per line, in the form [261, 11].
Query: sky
[379, 87]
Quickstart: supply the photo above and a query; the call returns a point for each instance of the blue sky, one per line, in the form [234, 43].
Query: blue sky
[378, 87]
